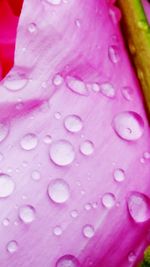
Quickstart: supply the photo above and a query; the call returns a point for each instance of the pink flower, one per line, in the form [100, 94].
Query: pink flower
[75, 152]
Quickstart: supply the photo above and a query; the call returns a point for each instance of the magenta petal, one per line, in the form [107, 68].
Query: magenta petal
[74, 142]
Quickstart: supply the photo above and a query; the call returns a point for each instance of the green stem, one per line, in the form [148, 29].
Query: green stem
[137, 34]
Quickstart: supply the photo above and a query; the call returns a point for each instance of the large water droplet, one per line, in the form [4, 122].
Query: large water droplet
[108, 200]
[127, 93]
[27, 214]
[57, 231]
[12, 246]
[119, 175]
[73, 123]
[67, 261]
[29, 141]
[139, 207]
[77, 86]
[58, 191]
[87, 148]
[107, 90]
[128, 125]
[15, 82]
[88, 231]
[7, 185]
[4, 130]
[113, 53]
[62, 152]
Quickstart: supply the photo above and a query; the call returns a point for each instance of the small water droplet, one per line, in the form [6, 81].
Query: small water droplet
[87, 148]
[57, 115]
[67, 261]
[57, 231]
[113, 53]
[119, 175]
[146, 155]
[12, 246]
[128, 125]
[74, 214]
[4, 131]
[107, 90]
[5, 222]
[73, 123]
[58, 80]
[77, 86]
[115, 14]
[88, 231]
[29, 141]
[15, 82]
[132, 49]
[142, 160]
[95, 87]
[108, 200]
[62, 152]
[139, 207]
[59, 191]
[47, 139]
[36, 175]
[27, 214]
[78, 23]
[7, 185]
[95, 205]
[131, 257]
[32, 28]
[127, 93]
[54, 2]
[88, 206]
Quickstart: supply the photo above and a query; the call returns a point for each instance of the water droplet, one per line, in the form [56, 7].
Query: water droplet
[139, 207]
[57, 231]
[27, 214]
[88, 206]
[54, 2]
[95, 87]
[67, 261]
[15, 82]
[119, 175]
[36, 175]
[77, 86]
[113, 53]
[29, 141]
[88, 231]
[132, 48]
[78, 23]
[107, 90]
[7, 185]
[74, 213]
[5, 222]
[108, 200]
[58, 80]
[32, 28]
[4, 130]
[127, 93]
[47, 139]
[115, 14]
[131, 257]
[12, 246]
[57, 115]
[142, 160]
[58, 191]
[146, 155]
[73, 123]
[128, 125]
[62, 152]
[87, 148]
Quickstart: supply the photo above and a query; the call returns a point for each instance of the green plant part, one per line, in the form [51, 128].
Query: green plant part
[137, 34]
